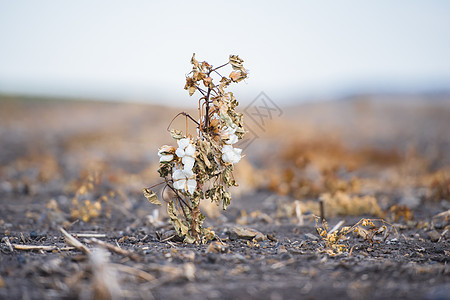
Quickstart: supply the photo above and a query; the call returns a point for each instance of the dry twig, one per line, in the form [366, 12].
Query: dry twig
[89, 235]
[40, 247]
[71, 241]
[8, 243]
[134, 256]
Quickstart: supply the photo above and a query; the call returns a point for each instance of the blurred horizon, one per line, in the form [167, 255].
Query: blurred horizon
[295, 51]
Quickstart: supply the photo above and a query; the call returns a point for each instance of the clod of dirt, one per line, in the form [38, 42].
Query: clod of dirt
[434, 236]
[441, 220]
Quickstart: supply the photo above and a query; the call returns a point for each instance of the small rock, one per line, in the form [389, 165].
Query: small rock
[434, 236]
[217, 247]
[441, 219]
[34, 235]
[246, 234]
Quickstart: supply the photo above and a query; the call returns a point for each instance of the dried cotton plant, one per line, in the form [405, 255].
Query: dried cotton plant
[201, 166]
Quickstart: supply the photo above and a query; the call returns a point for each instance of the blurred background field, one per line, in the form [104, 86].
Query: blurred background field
[377, 152]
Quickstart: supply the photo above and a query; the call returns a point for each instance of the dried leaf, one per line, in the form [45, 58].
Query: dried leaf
[227, 176]
[179, 226]
[226, 200]
[194, 61]
[151, 196]
[192, 90]
[236, 63]
[208, 82]
[237, 76]
[197, 76]
[190, 82]
[176, 134]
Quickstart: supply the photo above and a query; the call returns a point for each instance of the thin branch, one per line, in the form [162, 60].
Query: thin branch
[156, 185]
[200, 90]
[220, 67]
[219, 74]
[207, 109]
[213, 90]
[184, 114]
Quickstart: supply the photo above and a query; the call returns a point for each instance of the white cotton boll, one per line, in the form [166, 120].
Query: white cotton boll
[238, 155]
[228, 157]
[183, 179]
[231, 155]
[233, 128]
[180, 152]
[166, 158]
[183, 143]
[190, 150]
[226, 148]
[232, 139]
[188, 173]
[179, 184]
[236, 158]
[177, 174]
[165, 150]
[188, 162]
[191, 185]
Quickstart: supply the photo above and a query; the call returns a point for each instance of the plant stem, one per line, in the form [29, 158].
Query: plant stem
[207, 110]
[179, 197]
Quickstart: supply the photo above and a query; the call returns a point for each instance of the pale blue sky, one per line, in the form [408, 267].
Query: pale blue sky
[140, 50]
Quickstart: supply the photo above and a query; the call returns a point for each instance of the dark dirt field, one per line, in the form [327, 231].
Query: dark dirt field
[81, 166]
